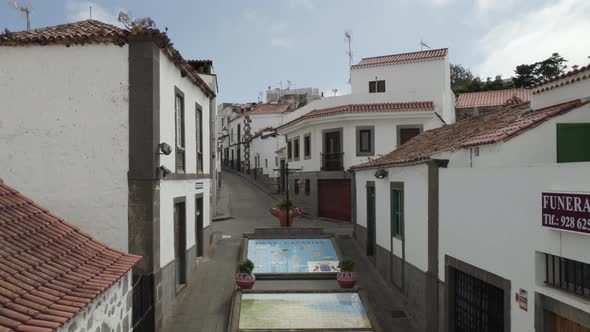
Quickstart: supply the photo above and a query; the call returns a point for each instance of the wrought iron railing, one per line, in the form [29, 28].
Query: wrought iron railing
[332, 161]
[568, 275]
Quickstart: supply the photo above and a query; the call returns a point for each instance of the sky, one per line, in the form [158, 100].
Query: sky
[255, 44]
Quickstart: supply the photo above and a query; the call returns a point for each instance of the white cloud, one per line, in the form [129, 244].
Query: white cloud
[280, 42]
[80, 10]
[307, 4]
[489, 5]
[278, 33]
[560, 27]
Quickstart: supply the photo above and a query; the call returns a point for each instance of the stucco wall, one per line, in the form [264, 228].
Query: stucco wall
[562, 94]
[64, 133]
[385, 135]
[415, 179]
[110, 311]
[498, 229]
[171, 188]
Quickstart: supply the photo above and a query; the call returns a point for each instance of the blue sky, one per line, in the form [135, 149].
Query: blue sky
[258, 43]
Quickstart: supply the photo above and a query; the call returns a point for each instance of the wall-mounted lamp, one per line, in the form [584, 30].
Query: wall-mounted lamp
[164, 171]
[164, 148]
[381, 174]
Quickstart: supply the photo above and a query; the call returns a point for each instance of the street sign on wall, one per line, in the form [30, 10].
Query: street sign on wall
[566, 211]
[199, 185]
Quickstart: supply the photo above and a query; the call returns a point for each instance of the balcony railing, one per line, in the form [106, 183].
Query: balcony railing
[332, 161]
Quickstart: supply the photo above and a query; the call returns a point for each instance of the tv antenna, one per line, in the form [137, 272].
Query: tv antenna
[26, 9]
[348, 36]
[423, 44]
[335, 91]
[90, 11]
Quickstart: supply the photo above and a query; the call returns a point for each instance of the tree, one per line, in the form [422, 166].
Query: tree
[460, 75]
[529, 74]
[136, 25]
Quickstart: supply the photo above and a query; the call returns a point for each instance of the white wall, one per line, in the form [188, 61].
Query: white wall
[110, 308]
[385, 134]
[170, 189]
[536, 146]
[491, 218]
[64, 133]
[572, 91]
[415, 179]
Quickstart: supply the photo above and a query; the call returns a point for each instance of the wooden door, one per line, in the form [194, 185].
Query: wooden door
[371, 227]
[561, 324]
[180, 242]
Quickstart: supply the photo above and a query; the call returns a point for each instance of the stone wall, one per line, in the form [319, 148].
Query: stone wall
[465, 113]
[110, 311]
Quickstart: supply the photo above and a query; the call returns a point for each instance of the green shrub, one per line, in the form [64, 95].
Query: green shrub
[346, 264]
[246, 266]
[283, 203]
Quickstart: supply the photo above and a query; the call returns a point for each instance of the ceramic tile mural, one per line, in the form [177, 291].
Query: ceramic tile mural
[303, 311]
[292, 255]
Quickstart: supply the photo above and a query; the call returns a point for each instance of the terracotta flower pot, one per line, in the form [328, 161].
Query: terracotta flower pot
[245, 280]
[281, 213]
[347, 279]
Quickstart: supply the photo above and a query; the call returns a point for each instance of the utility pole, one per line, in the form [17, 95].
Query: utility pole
[90, 12]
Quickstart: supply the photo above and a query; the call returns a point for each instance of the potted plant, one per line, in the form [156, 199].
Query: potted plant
[346, 277]
[281, 212]
[245, 278]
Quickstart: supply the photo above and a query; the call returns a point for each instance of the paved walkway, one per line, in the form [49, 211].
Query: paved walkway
[204, 305]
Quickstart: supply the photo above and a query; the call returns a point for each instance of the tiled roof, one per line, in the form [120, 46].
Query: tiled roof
[492, 98]
[488, 128]
[96, 32]
[49, 269]
[545, 84]
[269, 108]
[364, 108]
[402, 57]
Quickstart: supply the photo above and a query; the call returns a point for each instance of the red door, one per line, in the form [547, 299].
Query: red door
[334, 199]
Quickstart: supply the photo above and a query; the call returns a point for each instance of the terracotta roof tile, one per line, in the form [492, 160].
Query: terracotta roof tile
[492, 98]
[488, 128]
[546, 84]
[97, 32]
[400, 58]
[269, 108]
[49, 270]
[363, 108]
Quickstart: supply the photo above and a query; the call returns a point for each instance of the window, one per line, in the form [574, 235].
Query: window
[376, 86]
[307, 187]
[265, 163]
[568, 275]
[296, 149]
[572, 142]
[179, 116]
[407, 132]
[231, 136]
[296, 186]
[239, 133]
[397, 210]
[199, 137]
[276, 161]
[289, 151]
[307, 146]
[365, 141]
[222, 122]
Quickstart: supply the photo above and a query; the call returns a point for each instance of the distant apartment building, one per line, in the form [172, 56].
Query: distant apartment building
[482, 224]
[111, 129]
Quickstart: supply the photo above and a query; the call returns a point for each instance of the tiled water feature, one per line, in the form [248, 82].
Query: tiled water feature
[317, 311]
[310, 255]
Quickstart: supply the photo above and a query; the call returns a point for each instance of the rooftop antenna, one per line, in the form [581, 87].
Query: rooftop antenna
[348, 36]
[90, 12]
[335, 91]
[24, 9]
[423, 44]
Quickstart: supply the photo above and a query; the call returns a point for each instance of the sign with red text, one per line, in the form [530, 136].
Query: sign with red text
[566, 211]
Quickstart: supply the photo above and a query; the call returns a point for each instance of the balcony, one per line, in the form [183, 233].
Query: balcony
[332, 161]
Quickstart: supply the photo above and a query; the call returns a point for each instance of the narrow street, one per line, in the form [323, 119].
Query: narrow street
[205, 304]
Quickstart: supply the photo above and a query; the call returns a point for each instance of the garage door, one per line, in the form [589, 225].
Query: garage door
[334, 199]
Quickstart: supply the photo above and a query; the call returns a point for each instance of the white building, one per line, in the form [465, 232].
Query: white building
[110, 129]
[394, 98]
[454, 218]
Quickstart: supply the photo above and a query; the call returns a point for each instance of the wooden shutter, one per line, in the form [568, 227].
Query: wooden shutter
[573, 142]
